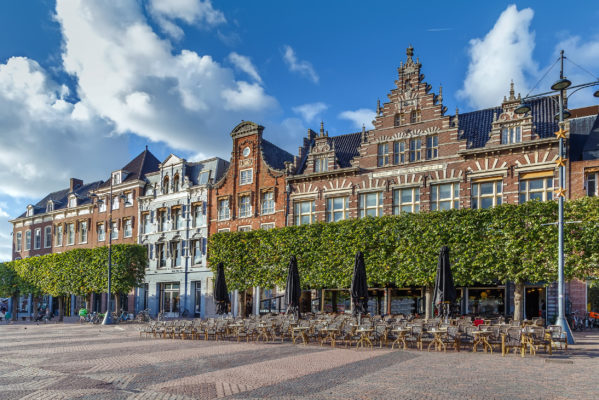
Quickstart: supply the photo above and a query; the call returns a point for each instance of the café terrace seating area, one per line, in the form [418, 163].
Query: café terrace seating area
[392, 331]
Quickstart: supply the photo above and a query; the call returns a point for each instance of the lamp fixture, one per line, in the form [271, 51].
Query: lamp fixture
[523, 108]
[561, 84]
[596, 94]
[566, 114]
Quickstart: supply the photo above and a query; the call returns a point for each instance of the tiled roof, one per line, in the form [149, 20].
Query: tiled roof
[137, 168]
[274, 156]
[347, 147]
[475, 126]
[61, 198]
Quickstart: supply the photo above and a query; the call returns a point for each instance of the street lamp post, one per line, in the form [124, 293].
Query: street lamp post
[560, 86]
[108, 316]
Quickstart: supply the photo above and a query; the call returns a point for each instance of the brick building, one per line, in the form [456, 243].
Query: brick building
[251, 193]
[417, 158]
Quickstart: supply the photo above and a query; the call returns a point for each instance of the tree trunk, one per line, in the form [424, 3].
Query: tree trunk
[36, 304]
[15, 307]
[518, 301]
[117, 303]
[428, 303]
[90, 304]
[60, 308]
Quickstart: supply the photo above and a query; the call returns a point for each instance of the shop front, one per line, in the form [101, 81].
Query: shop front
[486, 301]
[406, 301]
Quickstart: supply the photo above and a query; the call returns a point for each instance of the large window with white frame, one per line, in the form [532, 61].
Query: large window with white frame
[399, 152]
[246, 176]
[37, 239]
[371, 204]
[486, 194]
[101, 232]
[268, 226]
[162, 220]
[146, 223]
[245, 228]
[161, 255]
[415, 149]
[321, 164]
[445, 196]
[176, 217]
[47, 237]
[590, 184]
[432, 147]
[383, 154]
[511, 135]
[198, 215]
[245, 206]
[129, 200]
[58, 235]
[73, 202]
[536, 189]
[406, 200]
[70, 234]
[19, 240]
[83, 232]
[176, 253]
[268, 202]
[114, 231]
[128, 229]
[196, 251]
[28, 240]
[337, 208]
[115, 203]
[303, 212]
[102, 206]
[224, 211]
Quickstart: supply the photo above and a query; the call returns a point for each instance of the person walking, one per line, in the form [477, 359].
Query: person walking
[1, 314]
[82, 314]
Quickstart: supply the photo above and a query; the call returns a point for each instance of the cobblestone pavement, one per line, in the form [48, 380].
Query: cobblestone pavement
[71, 361]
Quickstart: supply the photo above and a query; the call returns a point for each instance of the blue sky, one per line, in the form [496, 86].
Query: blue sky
[84, 86]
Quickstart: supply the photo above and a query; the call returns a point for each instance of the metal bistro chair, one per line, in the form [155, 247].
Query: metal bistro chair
[512, 339]
[557, 337]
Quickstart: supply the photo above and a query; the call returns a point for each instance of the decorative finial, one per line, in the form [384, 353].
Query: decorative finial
[321, 128]
[440, 97]
[364, 136]
[146, 147]
[326, 133]
[378, 107]
[410, 52]
[512, 97]
[457, 117]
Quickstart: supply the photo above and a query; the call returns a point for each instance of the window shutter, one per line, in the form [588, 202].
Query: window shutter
[168, 213]
[203, 245]
[152, 216]
[151, 251]
[183, 209]
[204, 207]
[132, 222]
[183, 248]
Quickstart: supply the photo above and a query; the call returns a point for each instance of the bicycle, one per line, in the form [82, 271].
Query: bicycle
[143, 316]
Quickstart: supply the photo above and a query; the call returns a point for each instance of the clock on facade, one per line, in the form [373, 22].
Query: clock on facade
[246, 152]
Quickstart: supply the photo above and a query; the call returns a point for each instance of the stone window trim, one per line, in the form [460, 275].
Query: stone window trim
[223, 217]
[103, 226]
[435, 203]
[267, 226]
[264, 209]
[37, 239]
[250, 212]
[415, 202]
[247, 178]
[47, 237]
[477, 197]
[124, 222]
[591, 181]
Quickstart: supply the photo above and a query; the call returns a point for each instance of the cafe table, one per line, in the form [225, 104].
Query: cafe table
[437, 341]
[482, 337]
[401, 337]
[301, 331]
[364, 337]
[331, 333]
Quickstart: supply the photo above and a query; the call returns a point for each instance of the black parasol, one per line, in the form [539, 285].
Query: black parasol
[293, 290]
[221, 295]
[359, 287]
[445, 292]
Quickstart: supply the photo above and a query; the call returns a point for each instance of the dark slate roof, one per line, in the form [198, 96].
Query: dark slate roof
[61, 198]
[347, 147]
[137, 168]
[590, 150]
[475, 126]
[580, 134]
[274, 156]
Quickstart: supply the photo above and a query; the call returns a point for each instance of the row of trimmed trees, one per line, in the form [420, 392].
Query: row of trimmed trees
[79, 272]
[508, 243]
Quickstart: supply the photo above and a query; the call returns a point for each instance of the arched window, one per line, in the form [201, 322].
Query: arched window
[397, 120]
[176, 183]
[165, 183]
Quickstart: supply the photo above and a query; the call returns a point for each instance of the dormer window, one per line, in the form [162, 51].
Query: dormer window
[30, 211]
[72, 201]
[321, 164]
[511, 135]
[149, 190]
[49, 206]
[116, 178]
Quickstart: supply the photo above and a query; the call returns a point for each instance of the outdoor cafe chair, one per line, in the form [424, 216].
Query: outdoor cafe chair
[413, 337]
[512, 339]
[452, 337]
[557, 337]
[537, 339]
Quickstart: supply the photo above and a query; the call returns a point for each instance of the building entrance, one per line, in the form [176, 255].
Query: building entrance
[170, 299]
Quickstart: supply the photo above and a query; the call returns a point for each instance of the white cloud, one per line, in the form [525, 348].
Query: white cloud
[362, 116]
[504, 54]
[244, 64]
[300, 66]
[192, 12]
[130, 76]
[586, 55]
[310, 111]
[44, 140]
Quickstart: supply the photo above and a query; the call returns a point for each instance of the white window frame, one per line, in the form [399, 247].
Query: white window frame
[146, 223]
[298, 214]
[70, 234]
[102, 206]
[246, 176]
[267, 226]
[58, 235]
[591, 179]
[454, 199]
[72, 202]
[399, 152]
[83, 232]
[160, 255]
[196, 252]
[129, 201]
[176, 217]
[224, 230]
[47, 237]
[412, 206]
[28, 240]
[49, 206]
[116, 203]
[198, 215]
[378, 207]
[477, 197]
[432, 147]
[244, 228]
[547, 191]
[511, 134]
[415, 151]
[382, 154]
[101, 232]
[267, 205]
[331, 211]
[162, 217]
[114, 230]
[321, 164]
[176, 256]
[19, 243]
[37, 239]
[224, 209]
[245, 206]
[128, 228]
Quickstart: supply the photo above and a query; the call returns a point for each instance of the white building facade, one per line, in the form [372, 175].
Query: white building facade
[174, 228]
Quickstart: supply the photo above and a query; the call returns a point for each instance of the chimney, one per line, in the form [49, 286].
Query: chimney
[75, 183]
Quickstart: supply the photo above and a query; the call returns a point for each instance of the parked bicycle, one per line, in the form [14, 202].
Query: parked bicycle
[143, 316]
[94, 318]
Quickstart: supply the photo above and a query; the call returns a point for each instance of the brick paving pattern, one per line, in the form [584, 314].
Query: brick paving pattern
[94, 362]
